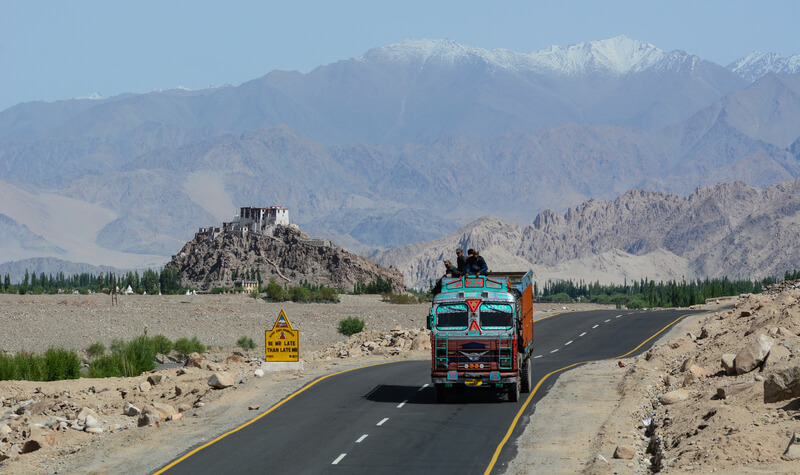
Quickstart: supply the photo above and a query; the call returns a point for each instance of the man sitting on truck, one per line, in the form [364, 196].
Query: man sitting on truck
[450, 271]
[476, 264]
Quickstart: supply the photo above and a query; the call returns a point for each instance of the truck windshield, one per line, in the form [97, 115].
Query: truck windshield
[451, 316]
[496, 315]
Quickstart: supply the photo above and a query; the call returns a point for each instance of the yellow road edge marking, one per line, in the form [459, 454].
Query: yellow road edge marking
[530, 396]
[519, 414]
[279, 404]
[548, 316]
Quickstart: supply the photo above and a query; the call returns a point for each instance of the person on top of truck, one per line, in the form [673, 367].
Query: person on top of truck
[476, 264]
[450, 271]
[461, 261]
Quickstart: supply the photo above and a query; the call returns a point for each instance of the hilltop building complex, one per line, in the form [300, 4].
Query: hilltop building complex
[250, 219]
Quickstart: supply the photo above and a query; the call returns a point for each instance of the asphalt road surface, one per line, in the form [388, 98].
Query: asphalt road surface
[384, 418]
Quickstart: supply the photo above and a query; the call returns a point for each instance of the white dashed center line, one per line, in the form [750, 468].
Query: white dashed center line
[338, 459]
[361, 439]
[581, 334]
[595, 327]
[423, 387]
[618, 316]
[537, 356]
[554, 350]
[384, 420]
[402, 404]
[607, 321]
[567, 343]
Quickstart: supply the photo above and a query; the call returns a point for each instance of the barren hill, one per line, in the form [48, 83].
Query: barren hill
[732, 230]
[289, 256]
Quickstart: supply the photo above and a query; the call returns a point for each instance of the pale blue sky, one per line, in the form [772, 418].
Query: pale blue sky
[52, 50]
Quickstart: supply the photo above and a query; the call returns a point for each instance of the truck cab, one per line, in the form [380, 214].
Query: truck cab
[482, 333]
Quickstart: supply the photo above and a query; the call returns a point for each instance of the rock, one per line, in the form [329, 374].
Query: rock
[179, 390]
[600, 458]
[154, 379]
[354, 352]
[91, 422]
[38, 439]
[785, 333]
[253, 408]
[728, 362]
[782, 385]
[259, 373]
[220, 380]
[725, 392]
[776, 354]
[164, 410]
[687, 363]
[183, 408]
[195, 360]
[211, 366]
[144, 387]
[86, 412]
[698, 371]
[130, 410]
[148, 418]
[624, 452]
[4, 430]
[669, 380]
[421, 342]
[753, 355]
[674, 396]
[235, 359]
[792, 451]
[94, 430]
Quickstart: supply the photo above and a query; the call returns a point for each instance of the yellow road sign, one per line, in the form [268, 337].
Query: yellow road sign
[283, 341]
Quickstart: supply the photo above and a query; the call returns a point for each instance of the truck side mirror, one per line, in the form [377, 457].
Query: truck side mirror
[430, 321]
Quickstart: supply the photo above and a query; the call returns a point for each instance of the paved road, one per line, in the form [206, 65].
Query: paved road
[383, 419]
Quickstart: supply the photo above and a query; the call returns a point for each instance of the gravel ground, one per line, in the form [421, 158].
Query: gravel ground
[36, 322]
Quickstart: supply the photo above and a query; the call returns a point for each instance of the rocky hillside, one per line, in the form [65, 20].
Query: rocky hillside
[289, 256]
[732, 230]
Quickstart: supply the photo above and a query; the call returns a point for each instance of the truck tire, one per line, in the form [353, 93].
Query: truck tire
[525, 376]
[513, 392]
[441, 392]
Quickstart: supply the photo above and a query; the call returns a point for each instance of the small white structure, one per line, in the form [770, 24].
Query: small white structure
[128, 291]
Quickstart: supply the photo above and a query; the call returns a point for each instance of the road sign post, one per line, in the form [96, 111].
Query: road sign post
[282, 346]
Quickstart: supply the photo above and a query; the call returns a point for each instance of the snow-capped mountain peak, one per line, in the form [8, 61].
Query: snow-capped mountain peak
[619, 55]
[757, 64]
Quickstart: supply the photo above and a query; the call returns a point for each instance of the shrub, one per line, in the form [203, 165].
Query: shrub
[96, 349]
[185, 346]
[329, 294]
[126, 359]
[401, 298]
[219, 290]
[299, 294]
[350, 326]
[163, 344]
[56, 364]
[275, 292]
[246, 343]
[254, 294]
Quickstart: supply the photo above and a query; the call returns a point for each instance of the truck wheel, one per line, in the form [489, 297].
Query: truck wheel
[513, 392]
[441, 392]
[525, 376]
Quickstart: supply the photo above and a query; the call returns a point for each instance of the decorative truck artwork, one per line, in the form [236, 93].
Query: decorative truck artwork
[282, 342]
[482, 333]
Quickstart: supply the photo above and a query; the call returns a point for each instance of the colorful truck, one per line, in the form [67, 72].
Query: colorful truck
[482, 333]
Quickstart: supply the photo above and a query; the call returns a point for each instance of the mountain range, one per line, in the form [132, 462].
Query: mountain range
[406, 143]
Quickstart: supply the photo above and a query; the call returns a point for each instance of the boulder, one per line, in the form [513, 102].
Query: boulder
[85, 413]
[728, 363]
[195, 360]
[234, 359]
[674, 396]
[4, 430]
[421, 342]
[148, 418]
[130, 410]
[687, 363]
[220, 380]
[154, 379]
[144, 387]
[38, 439]
[776, 354]
[165, 411]
[259, 373]
[753, 355]
[183, 408]
[624, 452]
[782, 385]
[725, 392]
[91, 422]
[698, 371]
[792, 451]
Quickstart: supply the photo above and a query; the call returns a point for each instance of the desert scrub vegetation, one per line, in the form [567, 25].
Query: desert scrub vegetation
[246, 343]
[350, 326]
[304, 293]
[392, 297]
[185, 346]
[54, 365]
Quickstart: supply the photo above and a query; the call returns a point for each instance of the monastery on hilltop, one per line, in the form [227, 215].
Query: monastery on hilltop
[250, 219]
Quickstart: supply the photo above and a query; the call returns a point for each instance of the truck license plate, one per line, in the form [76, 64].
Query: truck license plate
[473, 382]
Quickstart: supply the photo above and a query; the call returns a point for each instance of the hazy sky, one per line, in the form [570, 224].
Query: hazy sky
[52, 50]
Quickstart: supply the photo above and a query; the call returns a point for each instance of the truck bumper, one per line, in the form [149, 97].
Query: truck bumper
[474, 379]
